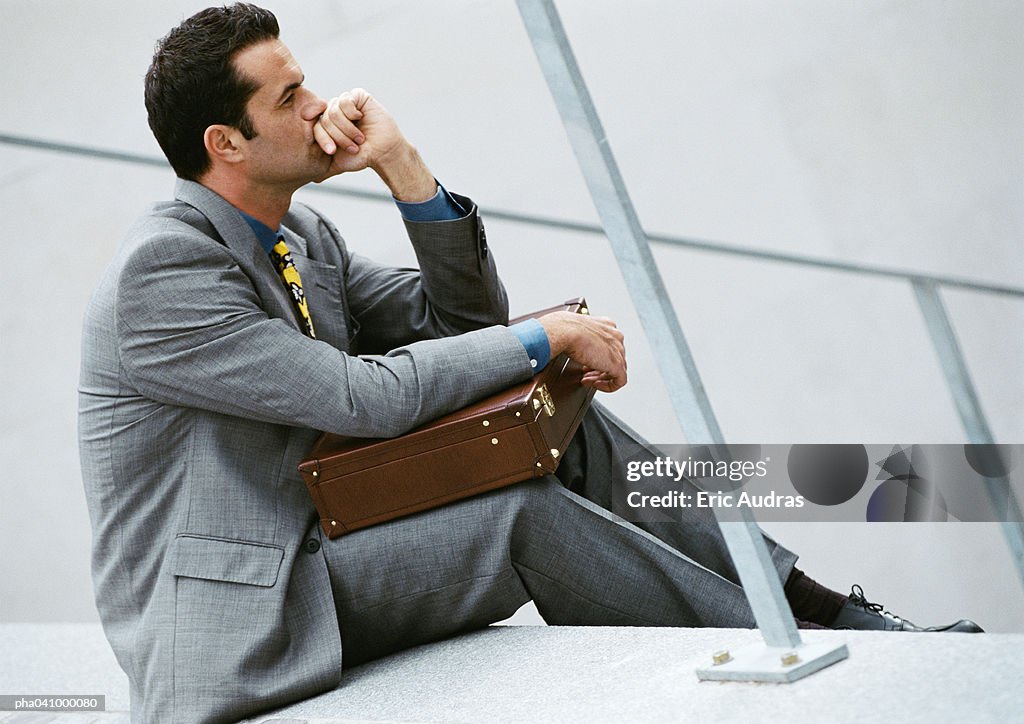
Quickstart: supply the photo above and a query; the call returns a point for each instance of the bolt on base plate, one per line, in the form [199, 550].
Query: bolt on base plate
[773, 664]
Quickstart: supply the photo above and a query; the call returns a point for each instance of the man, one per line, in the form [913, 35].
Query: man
[234, 324]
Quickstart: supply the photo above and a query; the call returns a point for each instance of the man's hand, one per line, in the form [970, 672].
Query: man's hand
[594, 342]
[358, 132]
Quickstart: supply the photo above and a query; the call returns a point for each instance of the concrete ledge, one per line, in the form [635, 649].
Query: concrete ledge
[56, 659]
[526, 673]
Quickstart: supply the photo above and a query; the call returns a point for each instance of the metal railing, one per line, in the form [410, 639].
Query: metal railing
[712, 246]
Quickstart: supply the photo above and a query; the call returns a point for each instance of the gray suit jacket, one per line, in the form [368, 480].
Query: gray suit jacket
[199, 394]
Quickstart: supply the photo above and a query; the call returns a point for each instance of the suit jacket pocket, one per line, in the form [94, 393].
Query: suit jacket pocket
[224, 559]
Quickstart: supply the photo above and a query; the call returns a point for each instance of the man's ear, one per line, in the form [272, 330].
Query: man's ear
[224, 143]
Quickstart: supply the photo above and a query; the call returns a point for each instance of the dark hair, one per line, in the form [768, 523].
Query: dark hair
[192, 82]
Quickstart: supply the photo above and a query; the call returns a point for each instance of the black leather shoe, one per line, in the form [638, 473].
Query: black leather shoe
[859, 614]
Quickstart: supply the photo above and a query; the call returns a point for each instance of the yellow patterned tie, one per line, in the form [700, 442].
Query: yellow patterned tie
[282, 258]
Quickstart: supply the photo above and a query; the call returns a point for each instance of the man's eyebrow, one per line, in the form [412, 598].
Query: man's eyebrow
[289, 89]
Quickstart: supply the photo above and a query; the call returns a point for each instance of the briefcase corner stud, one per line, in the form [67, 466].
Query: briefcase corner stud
[333, 528]
[547, 463]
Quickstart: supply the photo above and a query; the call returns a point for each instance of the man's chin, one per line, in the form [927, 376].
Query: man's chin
[321, 177]
[322, 167]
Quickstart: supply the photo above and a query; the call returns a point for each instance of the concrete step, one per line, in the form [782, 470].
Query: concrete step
[570, 674]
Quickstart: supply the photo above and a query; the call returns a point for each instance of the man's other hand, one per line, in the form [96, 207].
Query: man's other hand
[594, 342]
[359, 132]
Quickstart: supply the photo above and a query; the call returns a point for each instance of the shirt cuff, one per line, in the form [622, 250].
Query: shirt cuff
[531, 333]
[442, 207]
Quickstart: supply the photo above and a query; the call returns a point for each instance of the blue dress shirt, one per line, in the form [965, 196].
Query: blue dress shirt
[266, 236]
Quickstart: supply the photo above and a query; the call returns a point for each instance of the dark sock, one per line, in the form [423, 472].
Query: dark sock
[807, 625]
[811, 601]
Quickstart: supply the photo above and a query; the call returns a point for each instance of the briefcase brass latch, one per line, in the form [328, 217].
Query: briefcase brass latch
[543, 399]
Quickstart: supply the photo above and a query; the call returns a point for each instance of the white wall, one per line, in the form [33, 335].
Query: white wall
[888, 132]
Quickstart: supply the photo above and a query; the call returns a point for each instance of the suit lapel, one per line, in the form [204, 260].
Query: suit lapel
[320, 280]
[240, 239]
[322, 287]
[295, 242]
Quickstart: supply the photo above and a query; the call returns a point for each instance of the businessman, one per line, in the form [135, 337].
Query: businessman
[234, 324]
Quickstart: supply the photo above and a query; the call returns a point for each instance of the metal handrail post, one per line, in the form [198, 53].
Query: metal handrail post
[968, 406]
[686, 391]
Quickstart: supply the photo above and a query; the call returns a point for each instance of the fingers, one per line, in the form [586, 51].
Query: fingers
[603, 381]
[594, 342]
[602, 351]
[611, 351]
[336, 128]
[323, 139]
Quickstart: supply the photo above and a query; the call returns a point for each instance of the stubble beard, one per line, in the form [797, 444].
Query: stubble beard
[320, 161]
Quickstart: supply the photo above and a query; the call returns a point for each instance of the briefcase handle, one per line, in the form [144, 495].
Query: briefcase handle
[577, 304]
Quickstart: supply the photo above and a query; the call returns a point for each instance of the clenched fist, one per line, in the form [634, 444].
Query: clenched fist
[359, 132]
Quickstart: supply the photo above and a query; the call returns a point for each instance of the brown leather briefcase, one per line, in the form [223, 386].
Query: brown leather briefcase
[512, 436]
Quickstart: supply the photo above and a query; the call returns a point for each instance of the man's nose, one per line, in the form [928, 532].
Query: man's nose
[314, 107]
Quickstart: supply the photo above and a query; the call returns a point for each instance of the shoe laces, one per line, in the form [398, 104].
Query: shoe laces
[857, 598]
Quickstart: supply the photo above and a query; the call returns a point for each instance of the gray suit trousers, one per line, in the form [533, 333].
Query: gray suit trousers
[553, 540]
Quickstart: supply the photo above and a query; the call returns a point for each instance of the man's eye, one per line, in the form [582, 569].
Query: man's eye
[288, 100]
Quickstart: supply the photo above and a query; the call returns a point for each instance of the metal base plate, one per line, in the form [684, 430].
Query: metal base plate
[766, 663]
